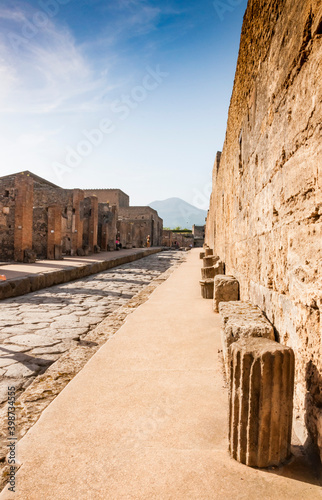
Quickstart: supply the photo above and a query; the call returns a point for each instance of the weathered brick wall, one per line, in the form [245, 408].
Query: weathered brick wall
[265, 213]
[44, 197]
[93, 223]
[107, 221]
[54, 237]
[153, 227]
[77, 220]
[171, 239]
[110, 196]
[7, 217]
[24, 200]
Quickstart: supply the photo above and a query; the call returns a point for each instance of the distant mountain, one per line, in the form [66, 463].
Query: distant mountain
[176, 212]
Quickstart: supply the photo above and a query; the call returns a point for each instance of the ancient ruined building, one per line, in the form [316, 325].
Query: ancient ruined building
[134, 224]
[265, 211]
[41, 220]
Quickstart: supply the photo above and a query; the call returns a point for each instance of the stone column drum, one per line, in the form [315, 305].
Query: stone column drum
[208, 261]
[202, 255]
[207, 272]
[209, 252]
[260, 401]
[207, 288]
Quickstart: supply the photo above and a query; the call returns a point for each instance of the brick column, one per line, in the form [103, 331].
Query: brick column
[24, 201]
[93, 223]
[78, 224]
[54, 237]
[260, 402]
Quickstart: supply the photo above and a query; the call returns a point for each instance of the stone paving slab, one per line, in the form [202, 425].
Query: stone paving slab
[26, 278]
[54, 320]
[146, 418]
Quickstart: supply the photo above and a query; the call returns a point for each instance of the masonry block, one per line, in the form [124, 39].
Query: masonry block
[226, 289]
[202, 255]
[207, 288]
[242, 320]
[260, 402]
[208, 252]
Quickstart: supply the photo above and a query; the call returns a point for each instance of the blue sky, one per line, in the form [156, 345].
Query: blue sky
[132, 94]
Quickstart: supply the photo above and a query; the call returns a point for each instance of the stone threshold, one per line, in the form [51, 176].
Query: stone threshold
[14, 287]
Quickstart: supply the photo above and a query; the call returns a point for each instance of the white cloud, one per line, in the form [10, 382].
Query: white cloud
[46, 71]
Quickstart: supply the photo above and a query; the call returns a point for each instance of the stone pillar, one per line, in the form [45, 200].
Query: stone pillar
[260, 402]
[78, 220]
[208, 252]
[207, 273]
[24, 201]
[93, 223]
[208, 261]
[207, 289]
[54, 236]
[226, 289]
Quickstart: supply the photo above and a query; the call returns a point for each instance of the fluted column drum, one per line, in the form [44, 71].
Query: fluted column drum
[260, 401]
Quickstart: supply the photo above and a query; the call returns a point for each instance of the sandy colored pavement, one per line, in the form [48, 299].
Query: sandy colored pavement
[146, 418]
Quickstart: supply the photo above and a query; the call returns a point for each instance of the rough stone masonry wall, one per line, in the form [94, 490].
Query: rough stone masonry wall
[265, 212]
[7, 218]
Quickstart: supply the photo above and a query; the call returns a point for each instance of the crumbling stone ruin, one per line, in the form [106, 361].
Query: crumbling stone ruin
[41, 220]
[135, 224]
[264, 219]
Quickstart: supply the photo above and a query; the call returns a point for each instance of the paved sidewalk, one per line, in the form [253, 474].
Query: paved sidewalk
[26, 278]
[146, 417]
[18, 270]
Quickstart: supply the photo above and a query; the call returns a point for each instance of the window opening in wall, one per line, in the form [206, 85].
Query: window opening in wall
[6, 193]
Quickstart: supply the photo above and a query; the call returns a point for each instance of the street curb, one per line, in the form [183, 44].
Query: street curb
[20, 286]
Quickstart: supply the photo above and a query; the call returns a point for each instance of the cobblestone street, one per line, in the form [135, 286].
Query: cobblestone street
[36, 329]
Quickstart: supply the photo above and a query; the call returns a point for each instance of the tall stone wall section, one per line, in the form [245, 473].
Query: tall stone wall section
[144, 222]
[7, 218]
[265, 210]
[110, 196]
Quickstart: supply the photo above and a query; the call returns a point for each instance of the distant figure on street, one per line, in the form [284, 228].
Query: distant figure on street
[118, 245]
[148, 242]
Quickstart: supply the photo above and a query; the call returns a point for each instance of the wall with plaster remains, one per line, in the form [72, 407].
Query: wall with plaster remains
[265, 211]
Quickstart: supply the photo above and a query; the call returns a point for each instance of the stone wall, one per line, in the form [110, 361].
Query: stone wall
[45, 196]
[173, 239]
[110, 196]
[7, 217]
[198, 235]
[144, 222]
[24, 198]
[265, 211]
[37, 215]
[107, 226]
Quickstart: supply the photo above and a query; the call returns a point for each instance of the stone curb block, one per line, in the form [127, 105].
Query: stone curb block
[20, 286]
